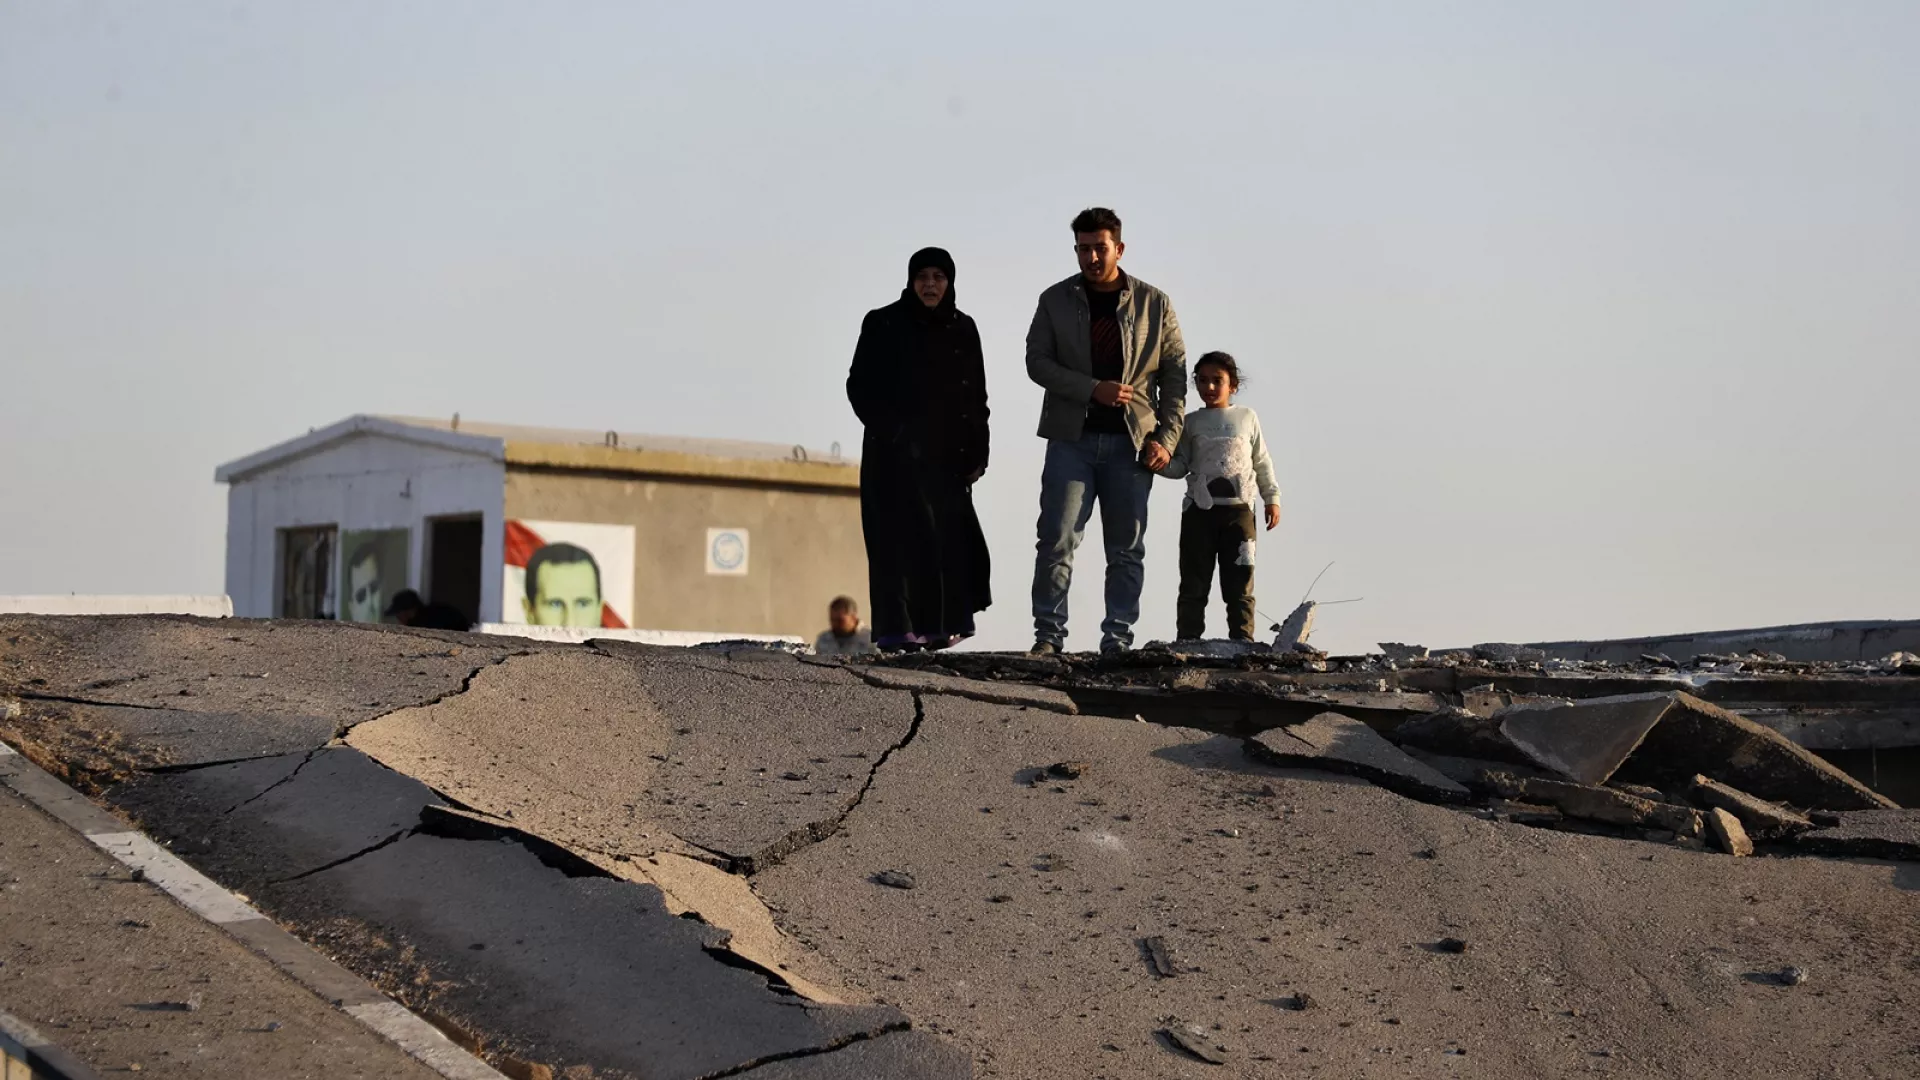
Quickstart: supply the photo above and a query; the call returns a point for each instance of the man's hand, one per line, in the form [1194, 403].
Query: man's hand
[1273, 516]
[1155, 457]
[1108, 392]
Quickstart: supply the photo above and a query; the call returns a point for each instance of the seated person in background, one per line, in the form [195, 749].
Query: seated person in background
[408, 610]
[844, 635]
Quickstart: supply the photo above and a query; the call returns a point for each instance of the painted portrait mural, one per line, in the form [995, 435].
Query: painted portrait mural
[569, 574]
[373, 566]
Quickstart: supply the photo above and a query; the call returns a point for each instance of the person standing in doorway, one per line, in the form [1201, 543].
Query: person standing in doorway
[919, 385]
[1107, 349]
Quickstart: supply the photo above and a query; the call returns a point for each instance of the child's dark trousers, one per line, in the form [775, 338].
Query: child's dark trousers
[1222, 535]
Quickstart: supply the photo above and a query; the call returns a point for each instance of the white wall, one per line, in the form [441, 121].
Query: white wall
[212, 607]
[365, 481]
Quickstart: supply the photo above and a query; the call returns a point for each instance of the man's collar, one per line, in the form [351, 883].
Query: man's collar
[1124, 285]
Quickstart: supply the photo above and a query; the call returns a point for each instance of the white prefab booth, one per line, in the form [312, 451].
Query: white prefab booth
[332, 524]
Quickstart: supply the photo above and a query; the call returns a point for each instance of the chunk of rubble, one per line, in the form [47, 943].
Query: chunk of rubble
[1473, 772]
[1728, 833]
[1584, 741]
[1402, 653]
[1760, 817]
[1459, 733]
[1195, 1040]
[1604, 805]
[1501, 652]
[1291, 635]
[1336, 743]
[1873, 834]
[1693, 736]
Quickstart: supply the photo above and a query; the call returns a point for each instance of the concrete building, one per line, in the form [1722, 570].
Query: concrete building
[579, 533]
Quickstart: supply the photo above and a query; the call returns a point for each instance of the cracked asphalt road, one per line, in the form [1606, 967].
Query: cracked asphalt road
[666, 863]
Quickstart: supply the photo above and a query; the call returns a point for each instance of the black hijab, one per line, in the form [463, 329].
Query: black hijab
[938, 258]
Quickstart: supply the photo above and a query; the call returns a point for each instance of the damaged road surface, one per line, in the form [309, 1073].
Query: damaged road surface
[620, 861]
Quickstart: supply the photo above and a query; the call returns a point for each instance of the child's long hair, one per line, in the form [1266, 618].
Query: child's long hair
[1225, 362]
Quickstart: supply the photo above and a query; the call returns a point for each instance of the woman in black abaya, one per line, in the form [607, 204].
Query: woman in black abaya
[919, 385]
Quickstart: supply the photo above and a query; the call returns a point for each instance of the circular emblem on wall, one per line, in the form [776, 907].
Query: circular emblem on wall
[726, 551]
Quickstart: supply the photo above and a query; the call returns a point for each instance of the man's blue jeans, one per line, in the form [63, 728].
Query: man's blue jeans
[1107, 469]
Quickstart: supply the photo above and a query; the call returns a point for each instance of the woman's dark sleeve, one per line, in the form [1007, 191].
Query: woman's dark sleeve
[976, 402]
[865, 391]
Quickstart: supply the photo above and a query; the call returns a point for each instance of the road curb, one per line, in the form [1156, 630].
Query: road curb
[199, 894]
[23, 1048]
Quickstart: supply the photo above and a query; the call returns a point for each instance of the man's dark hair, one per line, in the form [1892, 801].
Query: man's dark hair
[559, 555]
[1097, 219]
[1225, 362]
[363, 551]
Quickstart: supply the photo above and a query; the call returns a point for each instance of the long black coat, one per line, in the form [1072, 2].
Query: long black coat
[919, 385]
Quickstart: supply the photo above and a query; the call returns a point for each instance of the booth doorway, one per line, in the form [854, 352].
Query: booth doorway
[453, 563]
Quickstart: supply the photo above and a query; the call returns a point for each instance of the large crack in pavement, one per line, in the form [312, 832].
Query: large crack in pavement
[835, 1047]
[807, 835]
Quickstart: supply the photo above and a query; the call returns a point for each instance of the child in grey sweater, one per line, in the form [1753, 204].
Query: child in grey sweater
[1224, 461]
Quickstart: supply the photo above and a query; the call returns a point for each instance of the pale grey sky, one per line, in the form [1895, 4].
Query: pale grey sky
[1562, 319]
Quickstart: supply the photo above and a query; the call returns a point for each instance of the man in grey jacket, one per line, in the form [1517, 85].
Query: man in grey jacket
[1107, 349]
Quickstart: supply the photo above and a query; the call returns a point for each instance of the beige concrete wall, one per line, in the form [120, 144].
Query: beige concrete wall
[805, 546]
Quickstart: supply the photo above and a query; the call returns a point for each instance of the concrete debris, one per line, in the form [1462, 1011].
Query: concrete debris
[1791, 976]
[894, 879]
[1505, 653]
[1297, 1002]
[1067, 770]
[1400, 653]
[1335, 743]
[1538, 815]
[1195, 1041]
[1728, 834]
[1583, 741]
[1209, 649]
[1001, 693]
[1158, 958]
[1450, 945]
[1760, 817]
[1659, 660]
[1457, 732]
[1604, 805]
[1694, 737]
[1293, 633]
[1875, 834]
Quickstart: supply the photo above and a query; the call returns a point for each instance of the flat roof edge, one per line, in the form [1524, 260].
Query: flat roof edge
[320, 438]
[841, 476]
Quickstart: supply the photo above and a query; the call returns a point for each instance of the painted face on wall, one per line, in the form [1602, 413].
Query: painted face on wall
[565, 594]
[366, 600]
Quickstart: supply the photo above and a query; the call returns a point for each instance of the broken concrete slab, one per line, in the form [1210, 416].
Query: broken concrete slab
[998, 693]
[172, 737]
[572, 970]
[1728, 833]
[1694, 737]
[1400, 652]
[1583, 741]
[635, 755]
[1506, 653]
[1607, 805]
[346, 672]
[1759, 816]
[1458, 733]
[1475, 773]
[904, 1055]
[251, 824]
[1336, 743]
[1875, 834]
